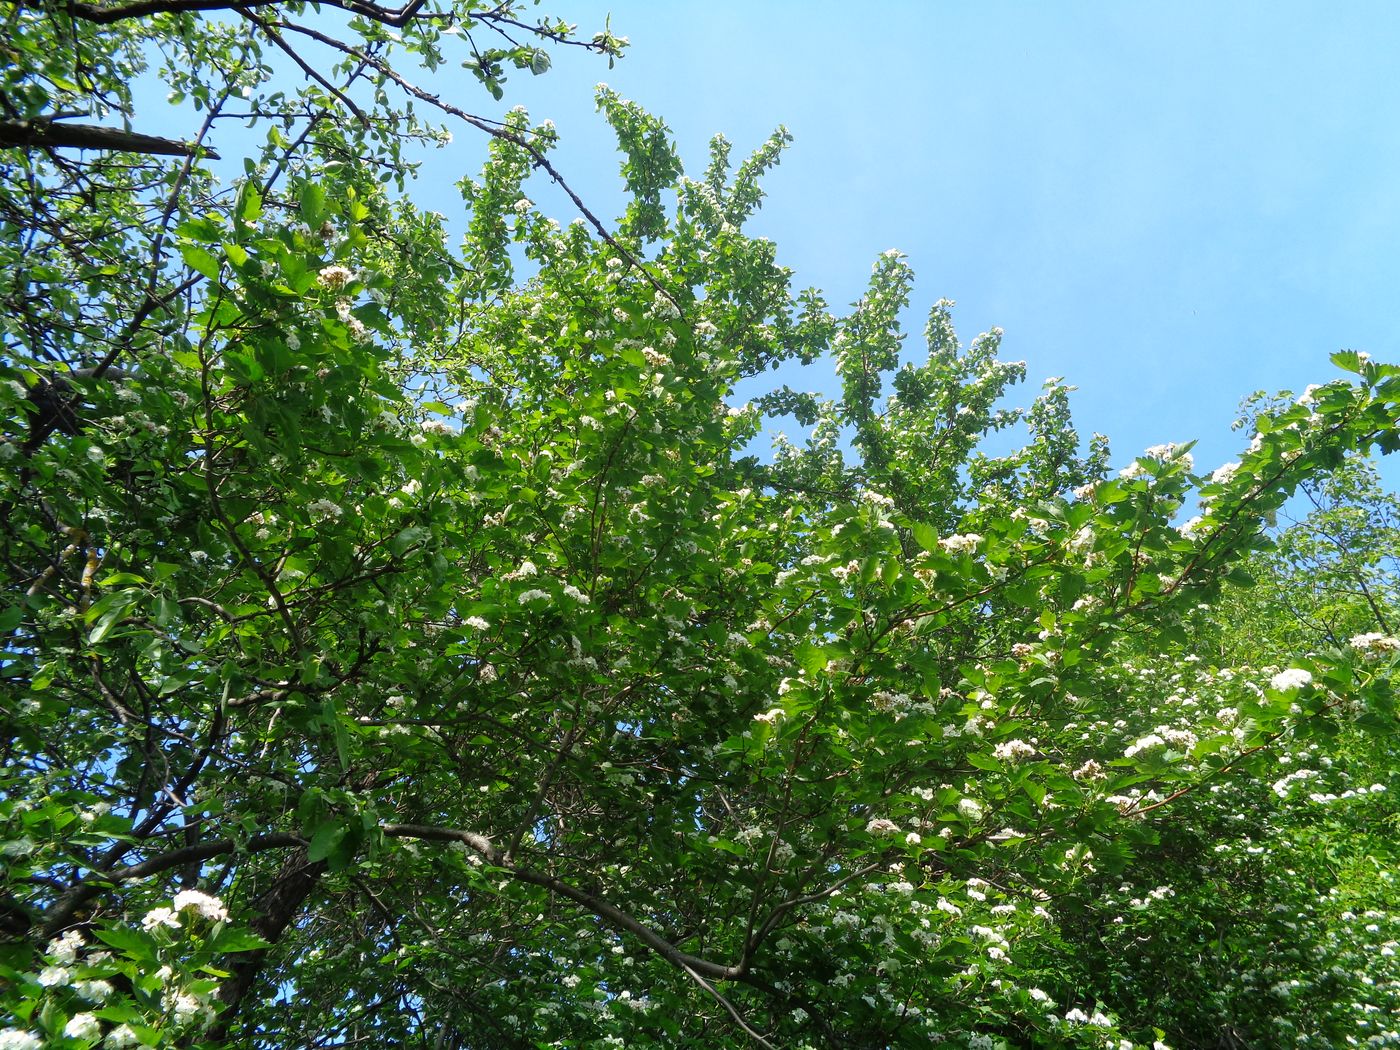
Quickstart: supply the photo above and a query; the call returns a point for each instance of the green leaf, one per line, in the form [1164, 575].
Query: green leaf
[326, 839]
[199, 260]
[926, 536]
[249, 207]
[402, 540]
[311, 199]
[232, 940]
[134, 943]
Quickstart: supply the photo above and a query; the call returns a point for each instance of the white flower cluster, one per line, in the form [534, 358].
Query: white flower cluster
[1014, 751]
[65, 948]
[970, 809]
[1150, 742]
[1281, 787]
[1169, 452]
[201, 904]
[83, 1026]
[1224, 473]
[1293, 678]
[961, 543]
[325, 510]
[1375, 644]
[334, 277]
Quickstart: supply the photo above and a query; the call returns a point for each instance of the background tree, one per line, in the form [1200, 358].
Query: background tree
[403, 651]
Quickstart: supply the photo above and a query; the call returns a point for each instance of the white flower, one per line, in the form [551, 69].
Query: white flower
[323, 509]
[527, 568]
[17, 1040]
[770, 716]
[571, 981]
[54, 976]
[65, 949]
[478, 622]
[881, 826]
[93, 991]
[532, 595]
[1014, 751]
[334, 277]
[1224, 473]
[970, 808]
[913, 838]
[122, 1036]
[184, 1006]
[960, 543]
[82, 1026]
[1293, 678]
[1076, 1016]
[522, 205]
[1131, 471]
[158, 917]
[209, 907]
[1375, 643]
[577, 595]
[358, 331]
[1150, 742]
[948, 906]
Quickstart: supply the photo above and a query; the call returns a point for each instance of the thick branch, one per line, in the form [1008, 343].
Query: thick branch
[105, 14]
[63, 910]
[275, 911]
[39, 134]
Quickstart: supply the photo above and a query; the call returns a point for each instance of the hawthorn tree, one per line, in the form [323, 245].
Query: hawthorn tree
[404, 646]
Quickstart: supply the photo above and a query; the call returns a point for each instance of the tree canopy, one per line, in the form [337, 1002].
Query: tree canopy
[405, 645]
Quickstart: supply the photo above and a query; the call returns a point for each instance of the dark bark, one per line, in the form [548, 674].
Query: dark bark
[277, 908]
[53, 134]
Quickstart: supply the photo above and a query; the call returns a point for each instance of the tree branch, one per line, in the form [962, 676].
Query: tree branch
[483, 846]
[58, 917]
[51, 134]
[105, 14]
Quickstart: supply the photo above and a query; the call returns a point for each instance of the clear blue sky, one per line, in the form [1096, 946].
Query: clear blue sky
[1169, 205]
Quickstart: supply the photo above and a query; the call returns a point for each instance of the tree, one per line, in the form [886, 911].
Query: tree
[402, 652]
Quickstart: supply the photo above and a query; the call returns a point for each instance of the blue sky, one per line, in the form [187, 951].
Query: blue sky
[1169, 205]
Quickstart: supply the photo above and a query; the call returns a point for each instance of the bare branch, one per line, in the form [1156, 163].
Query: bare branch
[105, 14]
[52, 134]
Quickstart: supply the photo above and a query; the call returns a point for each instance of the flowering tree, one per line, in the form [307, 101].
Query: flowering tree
[398, 650]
